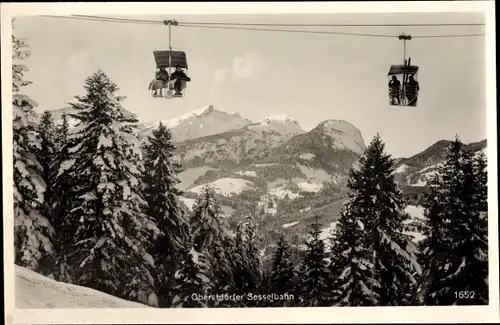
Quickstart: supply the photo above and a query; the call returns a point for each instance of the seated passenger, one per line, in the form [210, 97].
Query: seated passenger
[394, 86]
[162, 74]
[412, 87]
[179, 75]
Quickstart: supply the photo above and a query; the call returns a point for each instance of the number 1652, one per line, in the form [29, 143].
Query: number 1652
[464, 294]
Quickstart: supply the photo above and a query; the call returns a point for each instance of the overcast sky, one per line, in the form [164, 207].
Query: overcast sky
[310, 77]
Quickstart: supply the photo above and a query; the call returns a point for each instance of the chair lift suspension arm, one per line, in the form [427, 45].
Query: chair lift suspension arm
[406, 63]
[170, 23]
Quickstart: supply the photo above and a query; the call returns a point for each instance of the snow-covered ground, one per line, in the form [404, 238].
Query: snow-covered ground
[247, 173]
[318, 175]
[401, 169]
[280, 192]
[189, 176]
[265, 165]
[417, 214]
[291, 224]
[326, 233]
[307, 156]
[34, 291]
[305, 210]
[310, 187]
[226, 186]
[188, 202]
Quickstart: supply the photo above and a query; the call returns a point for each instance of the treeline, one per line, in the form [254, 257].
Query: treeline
[94, 207]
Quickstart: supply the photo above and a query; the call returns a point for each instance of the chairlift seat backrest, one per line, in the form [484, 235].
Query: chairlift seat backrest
[402, 69]
[178, 59]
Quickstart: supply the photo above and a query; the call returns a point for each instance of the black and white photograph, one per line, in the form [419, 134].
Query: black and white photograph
[190, 161]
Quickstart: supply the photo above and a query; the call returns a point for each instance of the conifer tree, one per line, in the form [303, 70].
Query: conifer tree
[247, 242]
[62, 132]
[33, 231]
[282, 277]
[352, 281]
[456, 244]
[47, 157]
[63, 184]
[163, 205]
[375, 215]
[312, 286]
[209, 238]
[193, 280]
[248, 275]
[107, 235]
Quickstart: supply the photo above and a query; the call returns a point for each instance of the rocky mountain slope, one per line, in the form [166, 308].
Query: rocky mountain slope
[417, 170]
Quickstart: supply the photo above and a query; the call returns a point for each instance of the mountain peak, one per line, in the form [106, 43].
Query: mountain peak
[336, 124]
[344, 133]
[202, 122]
[209, 109]
[176, 121]
[280, 118]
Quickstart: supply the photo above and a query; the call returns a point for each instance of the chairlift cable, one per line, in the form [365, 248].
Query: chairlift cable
[448, 36]
[271, 24]
[108, 20]
[336, 25]
[120, 19]
[155, 22]
[291, 31]
[330, 32]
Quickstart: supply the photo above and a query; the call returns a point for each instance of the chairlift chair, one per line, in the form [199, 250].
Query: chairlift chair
[171, 60]
[400, 97]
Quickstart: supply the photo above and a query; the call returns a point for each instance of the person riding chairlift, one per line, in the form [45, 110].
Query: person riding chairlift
[395, 87]
[162, 74]
[412, 88]
[179, 75]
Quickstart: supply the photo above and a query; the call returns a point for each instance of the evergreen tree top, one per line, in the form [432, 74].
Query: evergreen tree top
[161, 138]
[20, 51]
[46, 118]
[99, 82]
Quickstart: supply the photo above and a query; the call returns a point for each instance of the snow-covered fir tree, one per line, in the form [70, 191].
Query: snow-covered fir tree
[228, 275]
[193, 278]
[352, 282]
[206, 221]
[33, 232]
[456, 244]
[209, 238]
[282, 277]
[313, 277]
[47, 157]
[163, 205]
[375, 207]
[62, 132]
[106, 232]
[61, 204]
[248, 276]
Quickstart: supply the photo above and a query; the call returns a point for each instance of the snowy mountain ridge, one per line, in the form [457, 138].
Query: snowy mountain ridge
[417, 170]
[283, 118]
